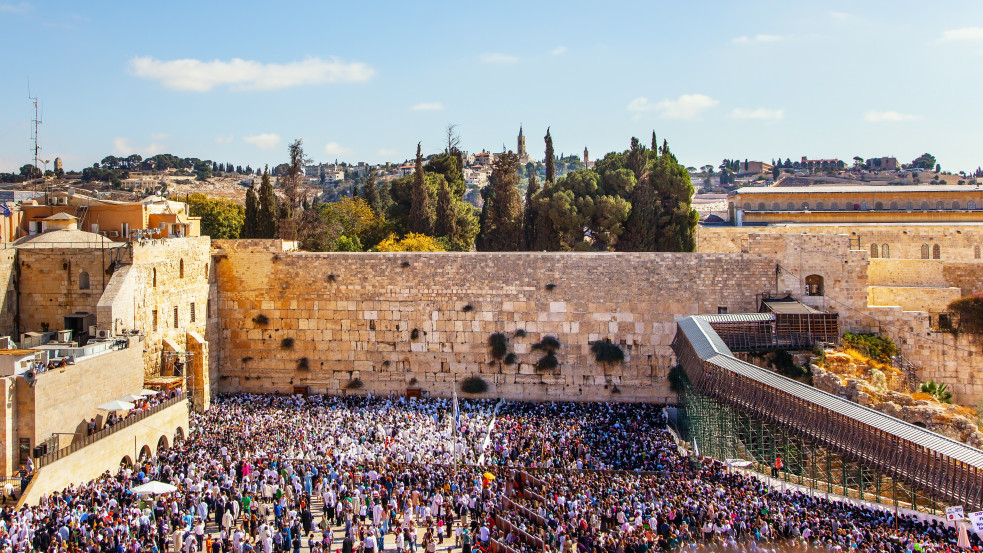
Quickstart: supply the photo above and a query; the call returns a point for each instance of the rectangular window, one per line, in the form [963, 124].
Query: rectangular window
[721, 310]
[191, 313]
[154, 315]
[175, 316]
[24, 451]
[208, 308]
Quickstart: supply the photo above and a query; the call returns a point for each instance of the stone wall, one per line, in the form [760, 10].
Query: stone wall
[165, 274]
[106, 454]
[913, 298]
[402, 320]
[8, 290]
[49, 284]
[957, 242]
[62, 400]
[967, 276]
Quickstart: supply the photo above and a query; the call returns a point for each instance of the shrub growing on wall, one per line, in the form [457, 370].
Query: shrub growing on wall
[474, 385]
[969, 311]
[879, 348]
[548, 345]
[261, 320]
[606, 352]
[547, 362]
[354, 384]
[287, 343]
[499, 344]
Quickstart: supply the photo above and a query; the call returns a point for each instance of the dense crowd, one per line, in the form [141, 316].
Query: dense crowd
[279, 474]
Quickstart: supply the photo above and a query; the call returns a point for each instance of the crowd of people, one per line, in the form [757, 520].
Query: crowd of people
[286, 474]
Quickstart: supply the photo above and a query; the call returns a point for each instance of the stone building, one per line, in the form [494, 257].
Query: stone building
[846, 204]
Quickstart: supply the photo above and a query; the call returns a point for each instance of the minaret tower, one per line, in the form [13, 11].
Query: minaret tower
[521, 146]
[586, 159]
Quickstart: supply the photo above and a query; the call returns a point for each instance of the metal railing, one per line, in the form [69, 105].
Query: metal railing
[107, 431]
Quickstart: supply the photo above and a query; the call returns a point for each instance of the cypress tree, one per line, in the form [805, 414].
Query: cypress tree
[503, 219]
[445, 223]
[251, 216]
[371, 193]
[267, 225]
[421, 212]
[655, 143]
[529, 214]
[550, 159]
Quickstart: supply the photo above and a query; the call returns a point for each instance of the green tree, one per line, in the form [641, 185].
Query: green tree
[371, 193]
[924, 161]
[581, 213]
[938, 390]
[529, 213]
[776, 171]
[421, 214]
[445, 222]
[251, 215]
[550, 158]
[220, 218]
[268, 222]
[503, 218]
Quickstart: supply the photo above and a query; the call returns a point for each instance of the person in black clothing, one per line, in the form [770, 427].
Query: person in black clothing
[348, 545]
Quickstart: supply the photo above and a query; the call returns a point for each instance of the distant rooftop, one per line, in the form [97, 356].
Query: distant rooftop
[857, 188]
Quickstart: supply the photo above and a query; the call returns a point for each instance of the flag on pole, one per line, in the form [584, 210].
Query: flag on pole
[457, 413]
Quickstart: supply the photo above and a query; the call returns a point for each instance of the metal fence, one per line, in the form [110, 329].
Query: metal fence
[107, 431]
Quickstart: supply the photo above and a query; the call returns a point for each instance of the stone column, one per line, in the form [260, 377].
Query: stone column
[198, 371]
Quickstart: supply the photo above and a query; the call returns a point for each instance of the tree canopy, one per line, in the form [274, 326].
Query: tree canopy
[219, 218]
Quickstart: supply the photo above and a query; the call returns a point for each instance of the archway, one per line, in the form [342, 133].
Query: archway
[178, 435]
[162, 444]
[126, 462]
[146, 452]
[815, 285]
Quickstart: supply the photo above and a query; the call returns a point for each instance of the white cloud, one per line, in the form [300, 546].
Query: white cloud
[22, 7]
[559, 50]
[428, 106]
[227, 139]
[965, 34]
[874, 116]
[841, 16]
[759, 113]
[498, 58]
[202, 76]
[160, 136]
[123, 146]
[757, 39]
[335, 149]
[263, 141]
[687, 106]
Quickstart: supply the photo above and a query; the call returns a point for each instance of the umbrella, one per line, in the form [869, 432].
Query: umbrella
[132, 397]
[154, 488]
[741, 463]
[148, 393]
[489, 476]
[116, 405]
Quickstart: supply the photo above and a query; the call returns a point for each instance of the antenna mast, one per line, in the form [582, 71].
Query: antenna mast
[34, 137]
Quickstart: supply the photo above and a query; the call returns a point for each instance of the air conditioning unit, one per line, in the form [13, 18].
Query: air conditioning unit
[104, 334]
[103, 233]
[64, 336]
[63, 200]
[6, 342]
[114, 234]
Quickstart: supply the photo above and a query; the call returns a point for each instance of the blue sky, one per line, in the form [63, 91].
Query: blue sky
[366, 80]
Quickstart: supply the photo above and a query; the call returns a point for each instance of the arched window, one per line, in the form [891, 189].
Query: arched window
[885, 251]
[815, 286]
[819, 206]
[864, 206]
[805, 206]
[873, 251]
[955, 205]
[835, 206]
[747, 206]
[878, 205]
[924, 251]
[936, 252]
[155, 277]
[925, 206]
[894, 205]
[776, 206]
[976, 251]
[761, 206]
[939, 205]
[910, 206]
[181, 269]
[971, 205]
[791, 206]
[83, 280]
